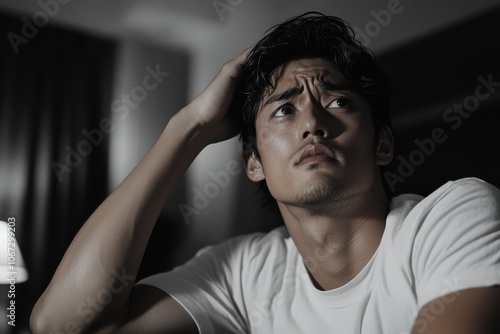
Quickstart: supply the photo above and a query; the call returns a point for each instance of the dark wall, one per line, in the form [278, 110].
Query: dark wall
[440, 87]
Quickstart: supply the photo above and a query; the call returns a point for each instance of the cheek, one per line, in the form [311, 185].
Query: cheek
[274, 142]
[273, 153]
[276, 152]
[264, 138]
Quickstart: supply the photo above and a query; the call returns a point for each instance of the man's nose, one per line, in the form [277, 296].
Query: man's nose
[314, 120]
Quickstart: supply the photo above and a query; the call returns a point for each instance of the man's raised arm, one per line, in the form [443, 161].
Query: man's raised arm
[104, 257]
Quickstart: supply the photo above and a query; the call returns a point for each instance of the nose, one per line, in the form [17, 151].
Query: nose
[314, 122]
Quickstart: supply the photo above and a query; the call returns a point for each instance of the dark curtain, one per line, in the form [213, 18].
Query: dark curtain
[55, 96]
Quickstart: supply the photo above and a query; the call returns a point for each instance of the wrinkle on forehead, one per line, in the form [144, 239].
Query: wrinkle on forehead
[316, 69]
[310, 67]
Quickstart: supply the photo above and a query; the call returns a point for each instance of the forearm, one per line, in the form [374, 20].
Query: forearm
[468, 311]
[95, 277]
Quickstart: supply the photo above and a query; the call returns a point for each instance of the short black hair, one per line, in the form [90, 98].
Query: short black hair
[310, 35]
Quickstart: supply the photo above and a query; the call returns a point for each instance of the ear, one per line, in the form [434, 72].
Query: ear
[254, 169]
[385, 147]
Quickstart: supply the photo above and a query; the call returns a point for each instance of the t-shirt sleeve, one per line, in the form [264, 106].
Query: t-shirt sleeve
[209, 287]
[457, 245]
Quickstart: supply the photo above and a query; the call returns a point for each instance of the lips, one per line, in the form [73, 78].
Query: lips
[315, 153]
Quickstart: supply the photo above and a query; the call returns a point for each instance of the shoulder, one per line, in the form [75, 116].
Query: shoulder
[469, 187]
[463, 202]
[251, 247]
[262, 246]
[246, 242]
[460, 213]
[456, 237]
[253, 266]
[233, 261]
[466, 195]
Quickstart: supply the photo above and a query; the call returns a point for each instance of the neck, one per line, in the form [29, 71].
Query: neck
[337, 244]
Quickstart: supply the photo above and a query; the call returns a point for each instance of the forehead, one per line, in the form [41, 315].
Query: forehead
[310, 69]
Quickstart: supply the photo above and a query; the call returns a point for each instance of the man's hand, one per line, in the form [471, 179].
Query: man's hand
[211, 107]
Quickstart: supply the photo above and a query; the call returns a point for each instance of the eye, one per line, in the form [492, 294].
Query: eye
[284, 110]
[340, 102]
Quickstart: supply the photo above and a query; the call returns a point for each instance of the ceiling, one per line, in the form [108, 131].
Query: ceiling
[195, 24]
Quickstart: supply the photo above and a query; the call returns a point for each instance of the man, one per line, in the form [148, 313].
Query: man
[349, 260]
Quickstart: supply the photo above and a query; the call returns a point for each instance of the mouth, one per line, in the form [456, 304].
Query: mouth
[315, 153]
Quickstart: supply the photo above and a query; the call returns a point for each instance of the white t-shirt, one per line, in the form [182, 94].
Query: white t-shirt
[431, 248]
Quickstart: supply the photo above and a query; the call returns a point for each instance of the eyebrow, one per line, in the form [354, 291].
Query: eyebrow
[284, 95]
[344, 86]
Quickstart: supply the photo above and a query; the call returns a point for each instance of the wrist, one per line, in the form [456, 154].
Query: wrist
[189, 126]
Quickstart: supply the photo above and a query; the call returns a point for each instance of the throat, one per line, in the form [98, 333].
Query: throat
[333, 257]
[335, 247]
[331, 271]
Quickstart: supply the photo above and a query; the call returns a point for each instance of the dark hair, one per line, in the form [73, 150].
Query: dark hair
[310, 35]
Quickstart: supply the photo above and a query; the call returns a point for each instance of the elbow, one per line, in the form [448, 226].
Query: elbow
[43, 320]
[36, 326]
[46, 318]
[38, 323]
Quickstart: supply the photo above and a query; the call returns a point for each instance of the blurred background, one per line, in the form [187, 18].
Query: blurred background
[86, 86]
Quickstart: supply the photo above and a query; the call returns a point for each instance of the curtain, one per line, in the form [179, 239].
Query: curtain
[55, 96]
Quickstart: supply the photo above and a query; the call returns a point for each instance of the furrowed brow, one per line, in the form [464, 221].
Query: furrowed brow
[328, 86]
[284, 95]
[345, 86]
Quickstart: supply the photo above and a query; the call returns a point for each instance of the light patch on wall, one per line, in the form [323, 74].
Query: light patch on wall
[170, 27]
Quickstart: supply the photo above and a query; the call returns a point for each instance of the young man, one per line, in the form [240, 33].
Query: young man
[349, 260]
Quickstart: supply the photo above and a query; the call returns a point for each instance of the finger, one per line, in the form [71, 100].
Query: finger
[242, 57]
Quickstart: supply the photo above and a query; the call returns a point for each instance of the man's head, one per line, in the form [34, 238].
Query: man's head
[283, 55]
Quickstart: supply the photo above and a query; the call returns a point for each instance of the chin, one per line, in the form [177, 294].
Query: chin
[320, 193]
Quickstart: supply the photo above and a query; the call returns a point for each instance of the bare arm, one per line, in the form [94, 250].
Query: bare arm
[91, 289]
[468, 311]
